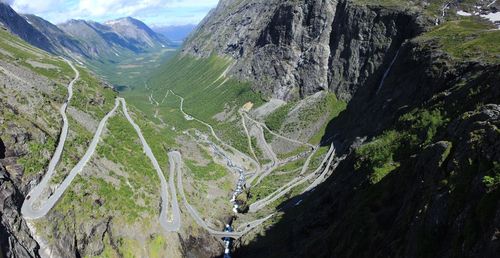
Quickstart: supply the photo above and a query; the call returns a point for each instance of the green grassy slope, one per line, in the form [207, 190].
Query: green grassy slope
[130, 70]
[199, 81]
[467, 39]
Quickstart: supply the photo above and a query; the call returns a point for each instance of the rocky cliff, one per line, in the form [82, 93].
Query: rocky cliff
[291, 49]
[16, 239]
[418, 179]
[419, 138]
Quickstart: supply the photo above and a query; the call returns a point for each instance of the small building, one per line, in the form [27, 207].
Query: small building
[248, 106]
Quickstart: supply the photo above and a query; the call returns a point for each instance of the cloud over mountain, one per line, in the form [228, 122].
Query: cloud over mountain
[160, 12]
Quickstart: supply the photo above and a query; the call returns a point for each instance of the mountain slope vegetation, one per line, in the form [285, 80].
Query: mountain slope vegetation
[314, 128]
[98, 214]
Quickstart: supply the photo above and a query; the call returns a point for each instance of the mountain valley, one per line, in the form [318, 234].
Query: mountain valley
[304, 128]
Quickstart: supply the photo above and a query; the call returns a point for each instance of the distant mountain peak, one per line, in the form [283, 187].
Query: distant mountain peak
[125, 21]
[137, 31]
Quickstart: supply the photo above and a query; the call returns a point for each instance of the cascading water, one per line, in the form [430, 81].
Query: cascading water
[386, 73]
[239, 189]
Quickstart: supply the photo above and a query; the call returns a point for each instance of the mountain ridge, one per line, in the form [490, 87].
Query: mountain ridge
[135, 29]
[81, 38]
[19, 26]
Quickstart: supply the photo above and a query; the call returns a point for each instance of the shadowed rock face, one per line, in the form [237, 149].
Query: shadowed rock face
[2, 149]
[15, 238]
[435, 203]
[291, 49]
[19, 26]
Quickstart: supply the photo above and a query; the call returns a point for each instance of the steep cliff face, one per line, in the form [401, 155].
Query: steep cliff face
[19, 26]
[363, 43]
[420, 175]
[420, 133]
[15, 236]
[291, 49]
[62, 41]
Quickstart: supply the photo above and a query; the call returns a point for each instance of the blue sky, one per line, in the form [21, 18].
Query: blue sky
[153, 12]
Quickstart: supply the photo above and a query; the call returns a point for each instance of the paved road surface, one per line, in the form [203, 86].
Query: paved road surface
[168, 225]
[278, 135]
[212, 131]
[258, 205]
[35, 192]
[28, 210]
[249, 138]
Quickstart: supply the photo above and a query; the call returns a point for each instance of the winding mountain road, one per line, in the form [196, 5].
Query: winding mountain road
[301, 179]
[275, 161]
[31, 212]
[28, 210]
[278, 135]
[175, 223]
[176, 159]
[249, 138]
[270, 152]
[260, 204]
[34, 208]
[212, 131]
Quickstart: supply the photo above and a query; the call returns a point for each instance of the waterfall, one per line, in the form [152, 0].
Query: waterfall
[387, 72]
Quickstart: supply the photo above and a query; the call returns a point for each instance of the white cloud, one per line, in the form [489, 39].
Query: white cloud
[9, 2]
[152, 11]
[31, 6]
[100, 8]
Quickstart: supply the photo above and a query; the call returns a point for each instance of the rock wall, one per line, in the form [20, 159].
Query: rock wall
[363, 43]
[291, 49]
[15, 236]
[435, 203]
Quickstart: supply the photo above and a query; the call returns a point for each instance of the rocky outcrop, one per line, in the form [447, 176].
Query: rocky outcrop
[71, 239]
[2, 149]
[199, 246]
[292, 49]
[15, 236]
